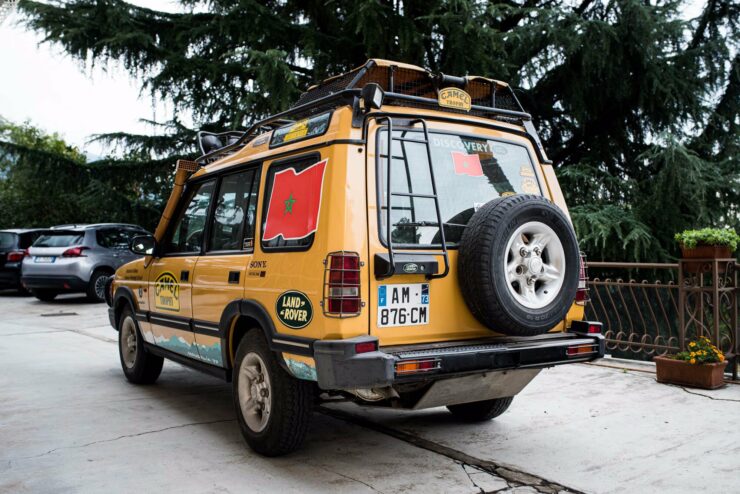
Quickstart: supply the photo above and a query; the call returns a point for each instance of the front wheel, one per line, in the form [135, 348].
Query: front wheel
[480, 411]
[139, 366]
[273, 408]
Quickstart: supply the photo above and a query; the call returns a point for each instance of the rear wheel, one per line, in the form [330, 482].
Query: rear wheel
[96, 287]
[139, 366]
[273, 408]
[44, 295]
[480, 411]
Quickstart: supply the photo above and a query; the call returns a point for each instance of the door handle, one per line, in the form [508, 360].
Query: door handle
[234, 277]
[184, 275]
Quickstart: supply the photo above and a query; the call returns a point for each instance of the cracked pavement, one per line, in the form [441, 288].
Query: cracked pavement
[69, 422]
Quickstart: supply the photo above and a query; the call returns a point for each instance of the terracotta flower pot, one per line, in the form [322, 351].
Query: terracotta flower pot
[704, 252]
[706, 376]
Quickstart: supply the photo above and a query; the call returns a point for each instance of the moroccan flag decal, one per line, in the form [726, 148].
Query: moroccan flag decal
[295, 201]
[467, 164]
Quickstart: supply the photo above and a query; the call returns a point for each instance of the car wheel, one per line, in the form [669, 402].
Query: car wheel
[273, 408]
[96, 287]
[44, 295]
[519, 265]
[139, 366]
[480, 411]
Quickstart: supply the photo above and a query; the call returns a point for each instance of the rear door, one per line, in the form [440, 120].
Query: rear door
[170, 276]
[469, 170]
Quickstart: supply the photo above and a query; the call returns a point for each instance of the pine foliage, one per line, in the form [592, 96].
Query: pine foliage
[638, 107]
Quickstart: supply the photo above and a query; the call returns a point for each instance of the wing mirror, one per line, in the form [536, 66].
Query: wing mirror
[143, 245]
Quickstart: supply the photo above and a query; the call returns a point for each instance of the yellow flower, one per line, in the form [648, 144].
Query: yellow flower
[692, 354]
[692, 344]
[692, 361]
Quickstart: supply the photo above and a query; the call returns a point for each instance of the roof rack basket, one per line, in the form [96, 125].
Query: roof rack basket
[403, 85]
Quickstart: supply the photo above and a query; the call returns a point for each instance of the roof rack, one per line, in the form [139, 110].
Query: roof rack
[403, 84]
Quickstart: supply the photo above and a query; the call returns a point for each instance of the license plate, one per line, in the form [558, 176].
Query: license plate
[45, 259]
[403, 305]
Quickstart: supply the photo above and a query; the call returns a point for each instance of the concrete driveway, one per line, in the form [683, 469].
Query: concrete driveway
[69, 422]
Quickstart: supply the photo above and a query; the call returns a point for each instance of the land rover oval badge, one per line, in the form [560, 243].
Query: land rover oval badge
[294, 309]
[410, 267]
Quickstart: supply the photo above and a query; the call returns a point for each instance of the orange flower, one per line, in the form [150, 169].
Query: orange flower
[692, 361]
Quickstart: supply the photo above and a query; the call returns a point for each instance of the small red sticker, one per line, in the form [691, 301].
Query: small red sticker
[467, 164]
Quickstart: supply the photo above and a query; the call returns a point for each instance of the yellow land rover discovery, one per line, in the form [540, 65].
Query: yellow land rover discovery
[397, 237]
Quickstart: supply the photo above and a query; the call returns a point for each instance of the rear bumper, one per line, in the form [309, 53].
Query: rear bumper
[52, 282]
[10, 277]
[338, 366]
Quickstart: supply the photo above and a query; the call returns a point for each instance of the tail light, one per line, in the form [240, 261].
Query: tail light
[342, 284]
[580, 350]
[419, 365]
[17, 256]
[75, 252]
[582, 293]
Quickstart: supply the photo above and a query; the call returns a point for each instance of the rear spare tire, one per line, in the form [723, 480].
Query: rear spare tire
[518, 265]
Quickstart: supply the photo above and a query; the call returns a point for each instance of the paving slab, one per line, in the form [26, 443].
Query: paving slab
[598, 429]
[69, 422]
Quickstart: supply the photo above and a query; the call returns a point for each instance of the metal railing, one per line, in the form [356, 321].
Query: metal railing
[650, 309]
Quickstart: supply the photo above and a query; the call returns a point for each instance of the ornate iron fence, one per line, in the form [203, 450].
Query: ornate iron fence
[652, 309]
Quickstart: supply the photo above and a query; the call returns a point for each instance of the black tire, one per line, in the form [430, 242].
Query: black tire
[480, 411]
[291, 401]
[96, 286]
[146, 366]
[482, 258]
[44, 295]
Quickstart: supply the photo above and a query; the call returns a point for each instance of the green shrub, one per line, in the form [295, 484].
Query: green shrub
[708, 236]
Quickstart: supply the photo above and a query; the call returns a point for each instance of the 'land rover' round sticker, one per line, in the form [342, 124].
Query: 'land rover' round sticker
[294, 309]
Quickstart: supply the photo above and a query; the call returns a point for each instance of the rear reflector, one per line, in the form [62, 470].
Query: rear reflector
[594, 328]
[415, 366]
[579, 350]
[366, 347]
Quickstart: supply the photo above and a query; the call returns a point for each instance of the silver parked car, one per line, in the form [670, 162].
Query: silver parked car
[77, 258]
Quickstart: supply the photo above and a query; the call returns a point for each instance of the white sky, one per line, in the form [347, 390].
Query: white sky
[38, 83]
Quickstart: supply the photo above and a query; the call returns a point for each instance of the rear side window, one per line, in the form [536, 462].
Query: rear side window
[469, 171]
[59, 239]
[7, 240]
[290, 213]
[234, 212]
[115, 238]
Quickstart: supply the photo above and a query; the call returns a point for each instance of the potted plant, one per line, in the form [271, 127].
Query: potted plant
[708, 243]
[701, 366]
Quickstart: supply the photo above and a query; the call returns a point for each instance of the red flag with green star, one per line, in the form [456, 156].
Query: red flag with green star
[295, 200]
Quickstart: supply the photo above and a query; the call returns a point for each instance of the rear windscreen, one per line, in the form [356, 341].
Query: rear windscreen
[59, 239]
[469, 171]
[7, 240]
